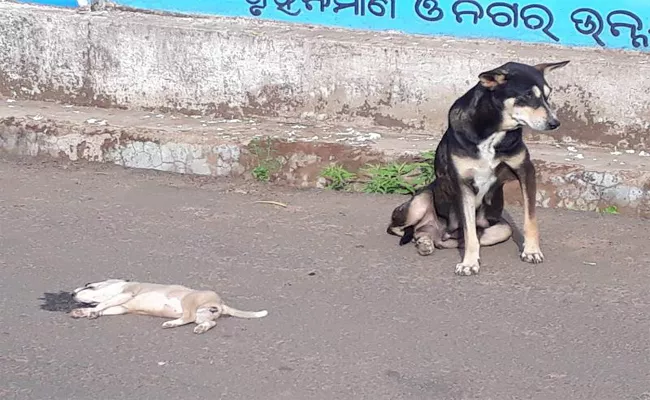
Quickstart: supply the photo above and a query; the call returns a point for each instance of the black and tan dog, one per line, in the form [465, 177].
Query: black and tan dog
[481, 150]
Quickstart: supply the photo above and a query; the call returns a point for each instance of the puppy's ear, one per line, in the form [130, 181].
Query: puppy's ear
[548, 67]
[494, 78]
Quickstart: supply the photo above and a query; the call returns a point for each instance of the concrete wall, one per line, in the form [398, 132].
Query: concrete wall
[235, 67]
[623, 24]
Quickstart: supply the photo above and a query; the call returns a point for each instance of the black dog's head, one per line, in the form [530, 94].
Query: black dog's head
[522, 93]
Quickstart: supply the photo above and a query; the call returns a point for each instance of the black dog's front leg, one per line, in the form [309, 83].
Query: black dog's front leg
[528, 182]
[470, 264]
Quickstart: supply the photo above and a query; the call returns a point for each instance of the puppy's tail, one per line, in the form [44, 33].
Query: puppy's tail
[244, 314]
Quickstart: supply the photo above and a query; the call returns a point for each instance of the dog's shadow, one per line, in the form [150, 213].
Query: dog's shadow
[59, 302]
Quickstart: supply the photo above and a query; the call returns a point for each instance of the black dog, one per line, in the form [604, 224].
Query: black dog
[481, 150]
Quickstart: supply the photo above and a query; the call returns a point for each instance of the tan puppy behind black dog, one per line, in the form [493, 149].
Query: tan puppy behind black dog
[119, 296]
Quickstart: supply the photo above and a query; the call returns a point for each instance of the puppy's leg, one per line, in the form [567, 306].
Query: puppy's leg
[207, 319]
[415, 220]
[526, 176]
[174, 323]
[189, 306]
[117, 310]
[450, 243]
[85, 312]
[495, 228]
[495, 234]
[423, 217]
[470, 264]
[204, 326]
[97, 311]
[80, 312]
[426, 233]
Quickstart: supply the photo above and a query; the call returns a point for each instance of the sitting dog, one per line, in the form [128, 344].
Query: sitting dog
[118, 296]
[482, 149]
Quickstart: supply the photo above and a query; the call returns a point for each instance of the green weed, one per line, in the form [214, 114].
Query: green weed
[399, 178]
[261, 173]
[610, 210]
[338, 178]
[264, 154]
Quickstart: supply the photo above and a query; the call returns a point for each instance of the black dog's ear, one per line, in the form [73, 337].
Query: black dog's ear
[548, 67]
[494, 78]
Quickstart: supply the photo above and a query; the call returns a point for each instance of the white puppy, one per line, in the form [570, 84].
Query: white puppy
[118, 296]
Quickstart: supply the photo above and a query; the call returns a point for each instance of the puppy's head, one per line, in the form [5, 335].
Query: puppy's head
[96, 292]
[522, 93]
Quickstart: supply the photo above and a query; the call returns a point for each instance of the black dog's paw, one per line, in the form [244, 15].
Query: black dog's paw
[532, 254]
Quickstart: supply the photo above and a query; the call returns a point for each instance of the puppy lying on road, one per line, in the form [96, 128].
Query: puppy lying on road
[118, 296]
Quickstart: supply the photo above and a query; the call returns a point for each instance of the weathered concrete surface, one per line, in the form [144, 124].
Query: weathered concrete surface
[352, 316]
[569, 176]
[241, 67]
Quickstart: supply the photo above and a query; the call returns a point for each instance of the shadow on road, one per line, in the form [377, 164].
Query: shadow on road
[59, 302]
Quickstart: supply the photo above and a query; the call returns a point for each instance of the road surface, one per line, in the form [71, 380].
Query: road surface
[351, 314]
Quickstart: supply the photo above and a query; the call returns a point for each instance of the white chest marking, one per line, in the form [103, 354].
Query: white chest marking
[484, 175]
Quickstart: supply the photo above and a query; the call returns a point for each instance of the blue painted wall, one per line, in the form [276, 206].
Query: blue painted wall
[623, 24]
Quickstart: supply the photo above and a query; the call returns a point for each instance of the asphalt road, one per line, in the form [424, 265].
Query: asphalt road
[351, 314]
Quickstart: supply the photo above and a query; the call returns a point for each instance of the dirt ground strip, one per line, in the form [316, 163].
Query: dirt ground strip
[570, 175]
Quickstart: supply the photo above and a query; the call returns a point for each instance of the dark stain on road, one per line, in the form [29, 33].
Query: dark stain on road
[59, 302]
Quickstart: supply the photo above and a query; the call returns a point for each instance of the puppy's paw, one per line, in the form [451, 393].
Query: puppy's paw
[93, 315]
[169, 324]
[424, 245]
[78, 313]
[199, 329]
[532, 254]
[463, 269]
